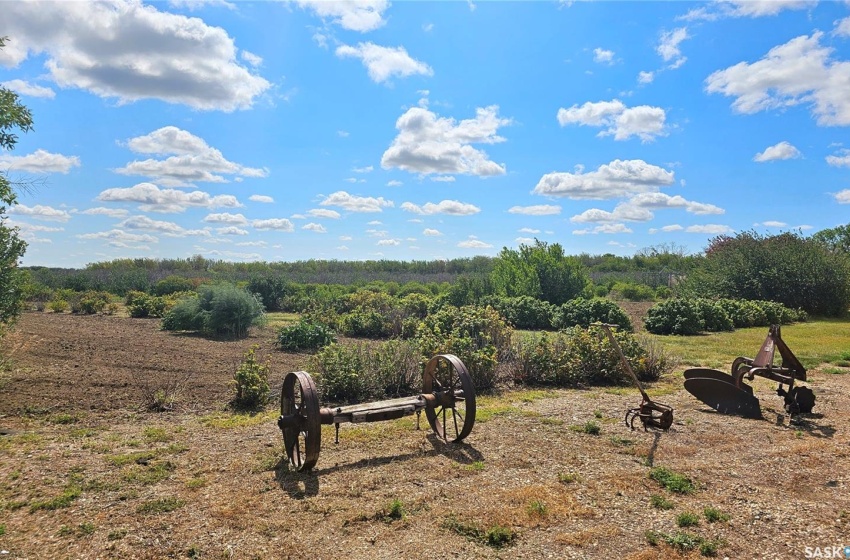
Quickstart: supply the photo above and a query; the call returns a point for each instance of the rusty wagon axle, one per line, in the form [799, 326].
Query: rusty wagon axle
[447, 398]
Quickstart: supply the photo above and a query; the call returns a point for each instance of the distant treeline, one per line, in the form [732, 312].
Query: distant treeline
[653, 267]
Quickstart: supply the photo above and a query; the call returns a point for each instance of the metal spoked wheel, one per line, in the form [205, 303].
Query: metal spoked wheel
[446, 376]
[302, 437]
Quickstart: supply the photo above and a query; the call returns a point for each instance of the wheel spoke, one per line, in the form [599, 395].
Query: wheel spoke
[454, 417]
[445, 438]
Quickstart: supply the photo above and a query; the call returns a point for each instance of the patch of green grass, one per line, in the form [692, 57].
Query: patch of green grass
[82, 432]
[85, 528]
[598, 414]
[531, 395]
[834, 370]
[660, 502]
[14, 475]
[687, 519]
[684, 542]
[161, 505]
[713, 515]
[64, 531]
[62, 501]
[491, 407]
[496, 536]
[589, 427]
[128, 458]
[843, 363]
[63, 419]
[568, 477]
[672, 481]
[153, 434]
[552, 421]
[394, 511]
[195, 483]
[621, 441]
[476, 466]
[15, 505]
[150, 474]
[2, 530]
[537, 509]
[227, 421]
[116, 534]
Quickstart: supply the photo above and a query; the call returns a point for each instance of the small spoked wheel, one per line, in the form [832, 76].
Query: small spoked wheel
[300, 421]
[453, 414]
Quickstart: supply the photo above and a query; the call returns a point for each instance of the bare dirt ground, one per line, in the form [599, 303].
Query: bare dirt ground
[87, 473]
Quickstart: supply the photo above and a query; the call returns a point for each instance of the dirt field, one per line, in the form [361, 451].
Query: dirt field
[87, 473]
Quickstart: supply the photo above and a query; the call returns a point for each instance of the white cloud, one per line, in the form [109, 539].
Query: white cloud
[353, 180]
[345, 238]
[342, 248]
[356, 203]
[154, 199]
[383, 63]
[40, 161]
[431, 232]
[604, 228]
[119, 236]
[228, 254]
[394, 183]
[746, 8]
[192, 160]
[354, 15]
[428, 144]
[529, 230]
[621, 212]
[842, 27]
[668, 229]
[145, 223]
[25, 88]
[128, 50]
[427, 27]
[111, 212]
[668, 46]
[226, 218]
[451, 207]
[377, 232]
[799, 72]
[646, 77]
[601, 56]
[661, 200]
[375, 223]
[318, 228]
[251, 58]
[843, 197]
[536, 210]
[842, 160]
[40, 212]
[713, 229]
[783, 150]
[389, 242]
[474, 243]
[231, 230]
[367, 169]
[197, 4]
[343, 134]
[524, 241]
[612, 180]
[620, 121]
[252, 244]
[324, 213]
[443, 179]
[261, 198]
[278, 224]
[773, 224]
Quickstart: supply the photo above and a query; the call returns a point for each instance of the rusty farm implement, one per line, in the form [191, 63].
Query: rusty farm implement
[447, 398]
[729, 394]
[650, 413]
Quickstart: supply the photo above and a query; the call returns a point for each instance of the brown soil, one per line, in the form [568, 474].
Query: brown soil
[72, 399]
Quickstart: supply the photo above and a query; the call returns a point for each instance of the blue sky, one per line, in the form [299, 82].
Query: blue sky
[285, 131]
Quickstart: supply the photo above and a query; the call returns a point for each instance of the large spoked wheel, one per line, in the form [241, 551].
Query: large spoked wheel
[448, 379]
[300, 421]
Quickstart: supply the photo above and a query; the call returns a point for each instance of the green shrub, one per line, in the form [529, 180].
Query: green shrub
[365, 324]
[714, 515]
[674, 316]
[341, 373]
[172, 284]
[634, 292]
[252, 381]
[218, 309]
[477, 335]
[141, 305]
[90, 302]
[663, 292]
[522, 312]
[672, 481]
[304, 335]
[582, 312]
[58, 306]
[714, 317]
[687, 519]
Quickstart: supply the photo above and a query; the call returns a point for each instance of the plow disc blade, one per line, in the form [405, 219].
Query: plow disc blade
[714, 374]
[724, 397]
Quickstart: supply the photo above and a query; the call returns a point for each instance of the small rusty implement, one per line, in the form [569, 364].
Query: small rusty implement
[650, 413]
[448, 399]
[728, 394]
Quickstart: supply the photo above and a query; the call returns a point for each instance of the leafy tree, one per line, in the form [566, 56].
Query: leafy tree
[13, 116]
[835, 239]
[540, 271]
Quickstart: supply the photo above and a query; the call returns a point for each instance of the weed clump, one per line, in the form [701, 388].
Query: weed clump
[672, 481]
[252, 381]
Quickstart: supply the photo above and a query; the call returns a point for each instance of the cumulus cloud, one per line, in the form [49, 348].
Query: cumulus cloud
[746, 8]
[354, 15]
[842, 27]
[40, 212]
[383, 63]
[524, 240]
[646, 77]
[127, 50]
[529, 230]
[612, 180]
[356, 203]
[842, 160]
[431, 232]
[843, 197]
[25, 88]
[118, 237]
[261, 198]
[318, 228]
[712, 229]
[231, 230]
[474, 243]
[367, 169]
[427, 143]
[394, 183]
[389, 242]
[226, 218]
[191, 159]
[169, 229]
[772, 223]
[799, 72]
[783, 150]
[324, 213]
[603, 56]
[622, 122]
[450, 207]
[667, 229]
[111, 212]
[40, 161]
[153, 199]
[604, 228]
[535, 210]
[443, 179]
[277, 224]
[668, 46]
[639, 209]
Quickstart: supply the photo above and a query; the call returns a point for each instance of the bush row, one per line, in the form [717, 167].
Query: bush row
[688, 316]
